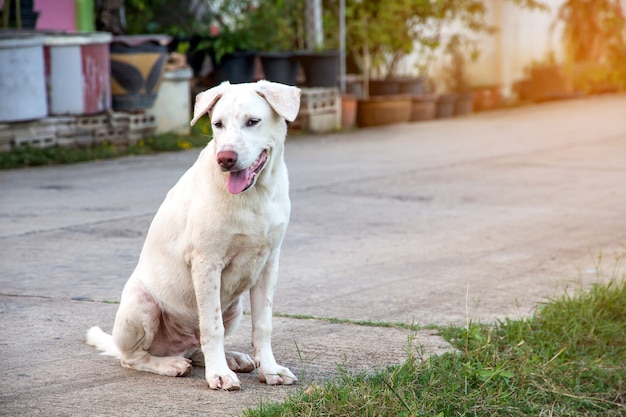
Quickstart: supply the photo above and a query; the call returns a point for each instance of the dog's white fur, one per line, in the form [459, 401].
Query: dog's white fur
[207, 246]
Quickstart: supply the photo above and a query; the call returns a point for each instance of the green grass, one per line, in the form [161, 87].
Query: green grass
[336, 320]
[568, 359]
[27, 156]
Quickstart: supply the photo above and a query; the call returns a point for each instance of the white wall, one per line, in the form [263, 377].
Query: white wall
[523, 37]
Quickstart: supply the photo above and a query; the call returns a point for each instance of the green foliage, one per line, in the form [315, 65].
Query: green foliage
[462, 47]
[277, 25]
[266, 25]
[229, 39]
[7, 22]
[172, 17]
[568, 360]
[459, 51]
[30, 156]
[378, 33]
[224, 27]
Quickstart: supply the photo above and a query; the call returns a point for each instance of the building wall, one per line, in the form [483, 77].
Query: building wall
[523, 37]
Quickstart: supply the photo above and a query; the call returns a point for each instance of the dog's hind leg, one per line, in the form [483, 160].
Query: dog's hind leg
[136, 324]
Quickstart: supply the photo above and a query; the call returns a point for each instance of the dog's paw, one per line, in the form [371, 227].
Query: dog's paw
[226, 382]
[162, 365]
[278, 375]
[176, 366]
[239, 362]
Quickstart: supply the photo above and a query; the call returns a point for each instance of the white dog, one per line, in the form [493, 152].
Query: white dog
[217, 234]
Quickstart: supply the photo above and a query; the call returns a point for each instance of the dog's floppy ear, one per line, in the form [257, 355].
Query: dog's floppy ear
[284, 99]
[206, 100]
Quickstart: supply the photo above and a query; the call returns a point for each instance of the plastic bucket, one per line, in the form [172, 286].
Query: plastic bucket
[22, 78]
[78, 72]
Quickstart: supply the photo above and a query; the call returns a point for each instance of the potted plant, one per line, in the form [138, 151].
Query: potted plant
[137, 59]
[487, 97]
[319, 59]
[232, 53]
[377, 36]
[374, 30]
[459, 51]
[214, 36]
[274, 23]
[425, 31]
[545, 80]
[461, 47]
[230, 42]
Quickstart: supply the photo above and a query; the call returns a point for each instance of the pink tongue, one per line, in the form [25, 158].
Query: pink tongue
[237, 181]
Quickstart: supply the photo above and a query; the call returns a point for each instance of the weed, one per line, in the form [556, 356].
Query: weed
[567, 359]
[27, 156]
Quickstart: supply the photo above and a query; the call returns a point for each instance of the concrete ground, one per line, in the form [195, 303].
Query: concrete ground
[440, 222]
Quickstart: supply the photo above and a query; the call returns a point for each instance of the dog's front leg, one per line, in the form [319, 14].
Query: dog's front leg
[207, 282]
[261, 300]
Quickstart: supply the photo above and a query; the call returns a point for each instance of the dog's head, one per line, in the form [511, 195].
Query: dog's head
[248, 122]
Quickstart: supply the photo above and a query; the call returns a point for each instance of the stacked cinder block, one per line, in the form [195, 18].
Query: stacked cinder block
[141, 125]
[116, 128]
[320, 110]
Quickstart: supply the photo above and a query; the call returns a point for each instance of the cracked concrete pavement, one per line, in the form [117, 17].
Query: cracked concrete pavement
[476, 218]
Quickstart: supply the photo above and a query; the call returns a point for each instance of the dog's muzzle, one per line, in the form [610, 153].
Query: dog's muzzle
[240, 181]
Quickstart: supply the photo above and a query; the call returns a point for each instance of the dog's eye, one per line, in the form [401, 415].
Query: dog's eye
[252, 122]
[218, 124]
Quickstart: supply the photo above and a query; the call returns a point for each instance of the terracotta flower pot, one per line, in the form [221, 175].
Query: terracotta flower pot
[384, 87]
[348, 111]
[487, 98]
[384, 110]
[445, 105]
[464, 104]
[424, 107]
[413, 86]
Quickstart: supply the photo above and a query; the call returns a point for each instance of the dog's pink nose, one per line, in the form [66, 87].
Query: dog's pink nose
[227, 159]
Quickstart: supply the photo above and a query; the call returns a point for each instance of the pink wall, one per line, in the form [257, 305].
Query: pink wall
[55, 15]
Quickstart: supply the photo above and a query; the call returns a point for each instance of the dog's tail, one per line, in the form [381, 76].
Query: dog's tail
[103, 342]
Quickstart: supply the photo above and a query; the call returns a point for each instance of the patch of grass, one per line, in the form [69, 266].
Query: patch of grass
[568, 359]
[368, 323]
[27, 156]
